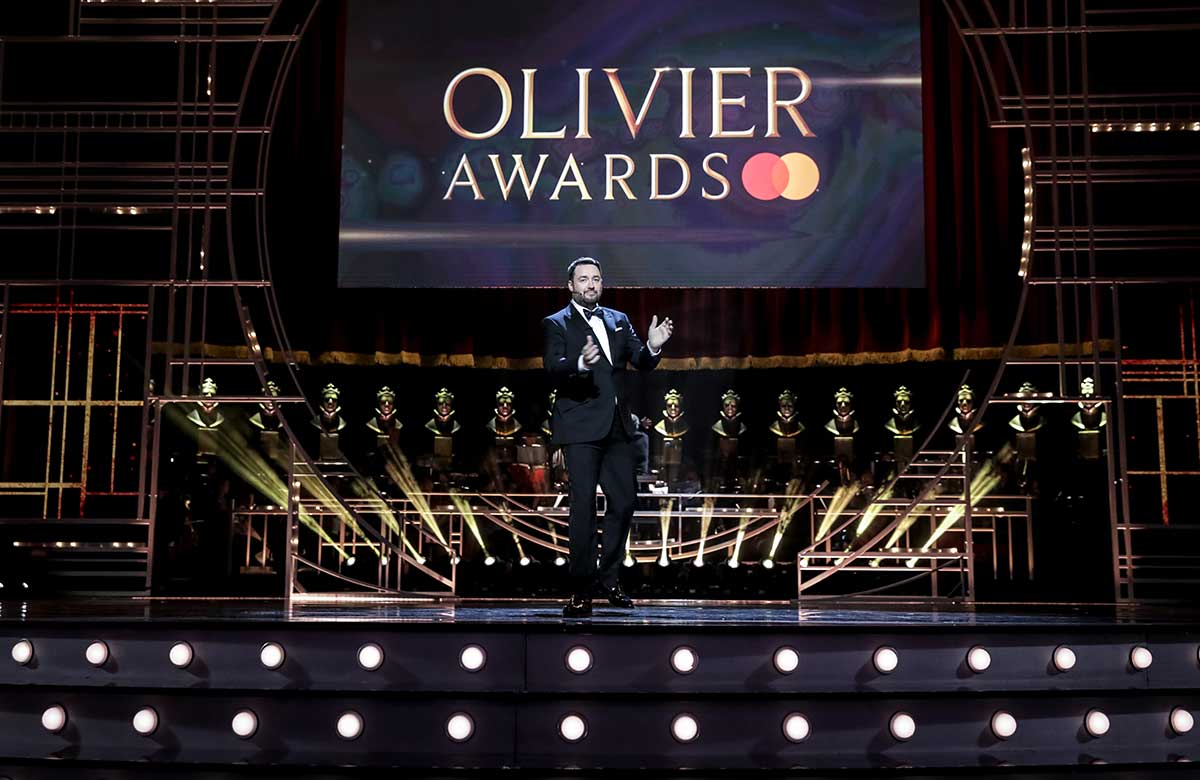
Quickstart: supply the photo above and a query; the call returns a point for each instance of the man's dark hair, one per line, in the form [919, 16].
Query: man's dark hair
[581, 261]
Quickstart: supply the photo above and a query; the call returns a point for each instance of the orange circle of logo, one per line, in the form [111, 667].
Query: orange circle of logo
[768, 176]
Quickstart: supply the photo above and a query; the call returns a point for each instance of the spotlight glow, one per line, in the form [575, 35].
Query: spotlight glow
[1096, 723]
[902, 726]
[524, 560]
[472, 658]
[22, 652]
[145, 721]
[768, 563]
[54, 718]
[560, 561]
[786, 660]
[885, 659]
[796, 727]
[685, 728]
[684, 660]
[181, 655]
[244, 724]
[350, 725]
[1181, 720]
[579, 659]
[272, 655]
[1004, 725]
[96, 653]
[572, 728]
[460, 727]
[1140, 658]
[978, 659]
[489, 561]
[1064, 658]
[370, 656]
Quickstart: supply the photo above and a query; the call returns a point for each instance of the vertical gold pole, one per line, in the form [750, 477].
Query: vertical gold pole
[62, 443]
[112, 472]
[87, 413]
[50, 416]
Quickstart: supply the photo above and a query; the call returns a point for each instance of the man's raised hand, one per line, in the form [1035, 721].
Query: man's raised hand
[591, 352]
[659, 332]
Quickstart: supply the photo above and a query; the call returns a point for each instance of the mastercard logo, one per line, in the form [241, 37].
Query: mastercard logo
[793, 176]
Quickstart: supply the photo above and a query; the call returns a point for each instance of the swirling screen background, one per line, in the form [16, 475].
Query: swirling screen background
[863, 227]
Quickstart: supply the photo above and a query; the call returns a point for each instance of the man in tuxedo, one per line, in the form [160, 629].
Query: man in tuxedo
[586, 350]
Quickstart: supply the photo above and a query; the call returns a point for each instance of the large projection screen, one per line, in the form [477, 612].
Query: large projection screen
[685, 143]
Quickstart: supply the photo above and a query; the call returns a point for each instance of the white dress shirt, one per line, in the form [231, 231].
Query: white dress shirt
[596, 321]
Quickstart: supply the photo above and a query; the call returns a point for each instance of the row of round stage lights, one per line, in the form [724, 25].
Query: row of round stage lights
[1148, 127]
[579, 660]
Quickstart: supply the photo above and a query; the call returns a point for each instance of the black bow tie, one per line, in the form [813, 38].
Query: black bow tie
[589, 313]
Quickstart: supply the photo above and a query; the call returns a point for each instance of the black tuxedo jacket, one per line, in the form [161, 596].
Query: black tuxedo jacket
[584, 406]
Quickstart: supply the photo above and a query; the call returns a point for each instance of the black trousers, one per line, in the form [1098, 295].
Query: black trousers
[611, 462]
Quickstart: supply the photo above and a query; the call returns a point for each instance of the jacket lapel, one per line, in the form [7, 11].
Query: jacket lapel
[576, 320]
[610, 325]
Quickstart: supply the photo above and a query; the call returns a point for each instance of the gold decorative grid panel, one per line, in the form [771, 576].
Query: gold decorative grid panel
[72, 449]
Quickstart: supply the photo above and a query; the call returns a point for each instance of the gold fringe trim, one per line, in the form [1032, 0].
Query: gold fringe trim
[814, 360]
[1107, 347]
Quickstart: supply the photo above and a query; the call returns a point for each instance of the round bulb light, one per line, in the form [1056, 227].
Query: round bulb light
[272, 655]
[145, 721]
[1096, 723]
[244, 724]
[684, 660]
[460, 727]
[370, 656]
[978, 659]
[796, 727]
[22, 652]
[96, 653]
[786, 660]
[54, 718]
[685, 728]
[181, 655]
[572, 728]
[1181, 720]
[886, 659]
[902, 726]
[1004, 725]
[472, 658]
[579, 659]
[349, 725]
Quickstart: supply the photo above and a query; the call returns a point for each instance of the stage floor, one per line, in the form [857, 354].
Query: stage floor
[673, 615]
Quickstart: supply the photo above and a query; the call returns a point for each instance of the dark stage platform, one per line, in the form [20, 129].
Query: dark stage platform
[468, 687]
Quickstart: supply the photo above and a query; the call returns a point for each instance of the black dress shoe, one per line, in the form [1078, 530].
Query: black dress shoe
[618, 598]
[578, 606]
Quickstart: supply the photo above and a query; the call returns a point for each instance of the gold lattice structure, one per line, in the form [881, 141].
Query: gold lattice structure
[71, 482]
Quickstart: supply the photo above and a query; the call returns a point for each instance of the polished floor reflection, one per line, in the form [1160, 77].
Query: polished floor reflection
[666, 614]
